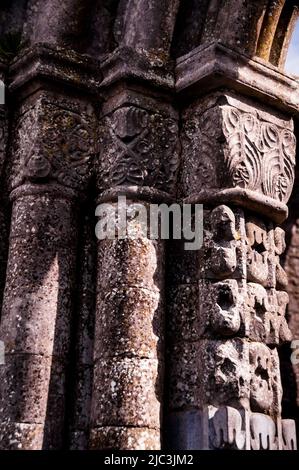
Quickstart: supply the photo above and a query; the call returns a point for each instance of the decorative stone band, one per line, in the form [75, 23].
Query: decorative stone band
[54, 64]
[51, 189]
[140, 193]
[212, 66]
[229, 428]
[275, 210]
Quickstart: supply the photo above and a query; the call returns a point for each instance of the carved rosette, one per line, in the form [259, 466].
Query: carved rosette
[55, 143]
[138, 147]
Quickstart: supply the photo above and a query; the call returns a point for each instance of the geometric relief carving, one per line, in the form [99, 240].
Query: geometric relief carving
[258, 252]
[54, 142]
[239, 269]
[138, 147]
[263, 373]
[289, 441]
[227, 428]
[260, 155]
[264, 247]
[265, 319]
[263, 432]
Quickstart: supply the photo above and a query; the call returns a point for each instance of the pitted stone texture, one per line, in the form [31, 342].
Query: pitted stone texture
[184, 375]
[21, 436]
[37, 299]
[209, 371]
[82, 401]
[182, 266]
[44, 218]
[265, 315]
[131, 438]
[127, 392]
[183, 318]
[131, 262]
[32, 391]
[226, 376]
[229, 308]
[129, 322]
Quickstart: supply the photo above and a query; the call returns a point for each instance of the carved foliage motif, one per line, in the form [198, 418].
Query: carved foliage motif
[260, 155]
[140, 148]
[227, 147]
[54, 143]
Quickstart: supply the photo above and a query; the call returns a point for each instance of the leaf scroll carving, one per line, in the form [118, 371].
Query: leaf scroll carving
[260, 155]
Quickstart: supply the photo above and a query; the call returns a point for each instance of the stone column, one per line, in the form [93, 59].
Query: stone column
[138, 159]
[3, 203]
[225, 386]
[50, 168]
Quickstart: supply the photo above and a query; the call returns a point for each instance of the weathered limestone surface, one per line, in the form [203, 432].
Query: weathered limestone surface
[138, 343]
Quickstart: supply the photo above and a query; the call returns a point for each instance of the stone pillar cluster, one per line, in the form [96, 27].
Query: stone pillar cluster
[138, 343]
[224, 380]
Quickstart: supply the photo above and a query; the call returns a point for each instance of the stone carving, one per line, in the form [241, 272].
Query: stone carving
[219, 309]
[258, 251]
[266, 315]
[198, 145]
[260, 156]
[234, 146]
[54, 143]
[228, 430]
[224, 366]
[261, 386]
[226, 427]
[263, 432]
[279, 248]
[288, 434]
[138, 147]
[223, 257]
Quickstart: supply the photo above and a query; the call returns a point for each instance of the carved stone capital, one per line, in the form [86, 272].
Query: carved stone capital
[55, 143]
[239, 152]
[139, 148]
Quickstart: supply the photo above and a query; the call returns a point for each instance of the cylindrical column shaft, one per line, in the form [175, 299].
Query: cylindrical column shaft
[36, 317]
